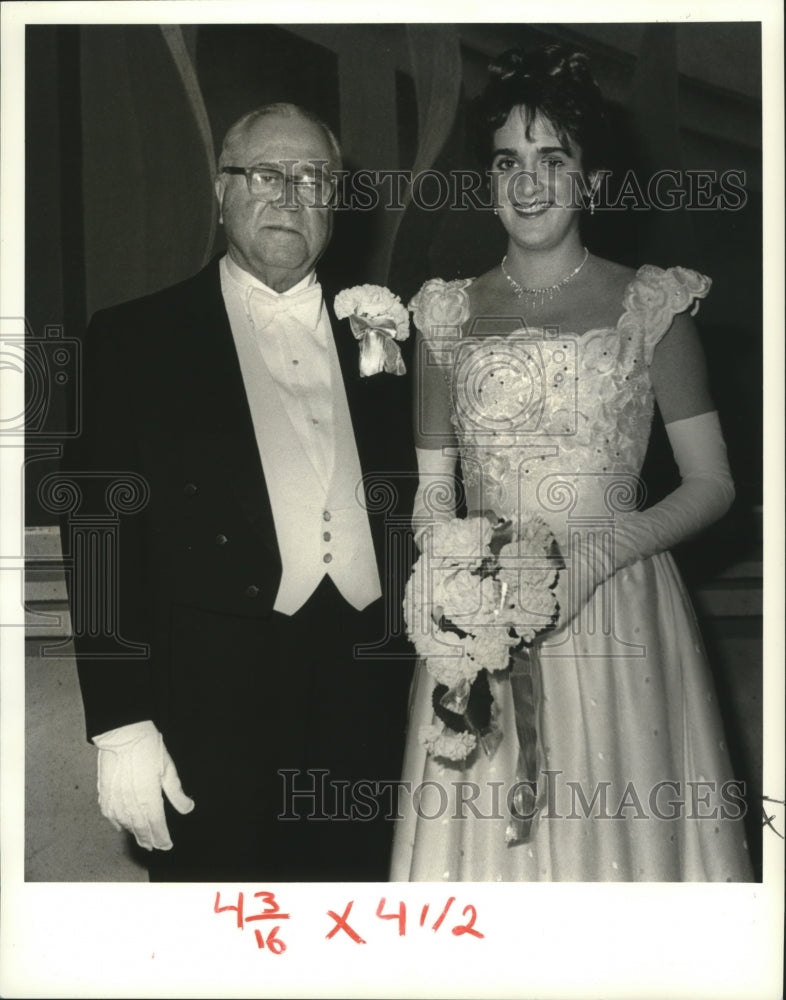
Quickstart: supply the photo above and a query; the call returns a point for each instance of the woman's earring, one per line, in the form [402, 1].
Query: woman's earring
[496, 212]
[592, 205]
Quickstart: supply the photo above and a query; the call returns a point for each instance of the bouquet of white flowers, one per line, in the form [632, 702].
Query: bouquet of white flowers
[478, 591]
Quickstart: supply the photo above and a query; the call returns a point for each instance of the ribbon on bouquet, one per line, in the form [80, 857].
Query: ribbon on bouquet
[378, 348]
[525, 685]
[468, 707]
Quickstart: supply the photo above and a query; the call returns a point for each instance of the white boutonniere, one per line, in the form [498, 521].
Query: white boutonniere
[378, 319]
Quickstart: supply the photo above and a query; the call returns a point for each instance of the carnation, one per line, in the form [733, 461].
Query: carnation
[465, 539]
[525, 572]
[446, 657]
[489, 648]
[432, 641]
[452, 671]
[537, 609]
[373, 302]
[442, 742]
[535, 534]
[467, 599]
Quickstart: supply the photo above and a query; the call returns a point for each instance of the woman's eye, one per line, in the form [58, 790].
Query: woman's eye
[554, 161]
[505, 164]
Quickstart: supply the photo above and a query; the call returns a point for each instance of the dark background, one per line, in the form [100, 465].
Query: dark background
[123, 126]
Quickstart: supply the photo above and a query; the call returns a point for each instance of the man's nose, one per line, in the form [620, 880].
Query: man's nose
[287, 198]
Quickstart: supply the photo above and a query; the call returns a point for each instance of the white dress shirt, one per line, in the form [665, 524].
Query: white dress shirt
[304, 434]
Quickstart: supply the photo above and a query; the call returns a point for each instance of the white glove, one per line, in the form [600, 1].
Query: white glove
[134, 768]
[435, 498]
[586, 567]
[704, 495]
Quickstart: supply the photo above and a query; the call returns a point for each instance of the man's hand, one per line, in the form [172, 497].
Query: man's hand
[134, 768]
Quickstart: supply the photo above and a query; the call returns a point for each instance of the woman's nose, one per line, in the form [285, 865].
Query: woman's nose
[523, 184]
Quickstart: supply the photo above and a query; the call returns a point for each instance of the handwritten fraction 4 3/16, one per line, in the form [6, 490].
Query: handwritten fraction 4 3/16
[268, 909]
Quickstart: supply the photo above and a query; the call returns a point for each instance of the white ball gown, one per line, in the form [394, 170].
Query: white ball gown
[635, 782]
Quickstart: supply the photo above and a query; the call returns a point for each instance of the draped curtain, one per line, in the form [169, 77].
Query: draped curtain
[663, 236]
[147, 162]
[435, 63]
[435, 56]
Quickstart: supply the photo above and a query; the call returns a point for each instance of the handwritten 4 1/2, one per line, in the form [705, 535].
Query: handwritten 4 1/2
[268, 909]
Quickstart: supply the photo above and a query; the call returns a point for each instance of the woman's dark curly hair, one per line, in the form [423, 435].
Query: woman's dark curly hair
[554, 81]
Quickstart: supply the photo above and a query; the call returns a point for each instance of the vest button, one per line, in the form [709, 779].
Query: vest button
[252, 591]
[327, 557]
[326, 536]
[326, 515]
[221, 539]
[191, 489]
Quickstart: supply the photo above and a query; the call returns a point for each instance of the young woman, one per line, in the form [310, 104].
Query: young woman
[542, 374]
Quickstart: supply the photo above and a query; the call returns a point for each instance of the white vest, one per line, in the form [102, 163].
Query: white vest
[315, 490]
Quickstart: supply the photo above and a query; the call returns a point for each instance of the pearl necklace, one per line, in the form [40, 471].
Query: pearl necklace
[542, 293]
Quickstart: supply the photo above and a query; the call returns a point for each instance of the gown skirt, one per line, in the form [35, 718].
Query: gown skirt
[634, 783]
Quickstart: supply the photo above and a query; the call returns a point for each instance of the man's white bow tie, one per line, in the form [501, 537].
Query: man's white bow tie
[305, 306]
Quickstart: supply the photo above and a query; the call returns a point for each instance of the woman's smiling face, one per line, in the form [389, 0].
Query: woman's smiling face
[537, 182]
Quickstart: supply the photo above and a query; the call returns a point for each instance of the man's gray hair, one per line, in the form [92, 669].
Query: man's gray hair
[236, 131]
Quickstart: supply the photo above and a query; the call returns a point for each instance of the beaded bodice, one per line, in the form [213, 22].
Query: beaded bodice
[547, 420]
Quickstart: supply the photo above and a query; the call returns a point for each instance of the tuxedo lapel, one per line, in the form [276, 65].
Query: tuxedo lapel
[214, 397]
[380, 410]
[356, 388]
[346, 345]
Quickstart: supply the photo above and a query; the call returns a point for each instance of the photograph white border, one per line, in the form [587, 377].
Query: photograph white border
[555, 940]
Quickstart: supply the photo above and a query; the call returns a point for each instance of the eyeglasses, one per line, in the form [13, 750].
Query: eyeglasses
[268, 184]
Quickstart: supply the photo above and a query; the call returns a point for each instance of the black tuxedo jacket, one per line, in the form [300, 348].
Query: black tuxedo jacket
[164, 399]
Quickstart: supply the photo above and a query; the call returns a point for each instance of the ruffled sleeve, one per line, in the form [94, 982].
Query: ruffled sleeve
[655, 297]
[440, 308]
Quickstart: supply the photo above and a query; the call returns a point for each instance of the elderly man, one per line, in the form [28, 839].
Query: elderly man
[256, 737]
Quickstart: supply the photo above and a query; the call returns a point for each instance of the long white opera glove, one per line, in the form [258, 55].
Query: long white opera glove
[704, 495]
[435, 498]
[134, 769]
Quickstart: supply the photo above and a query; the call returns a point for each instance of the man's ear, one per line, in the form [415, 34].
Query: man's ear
[218, 187]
